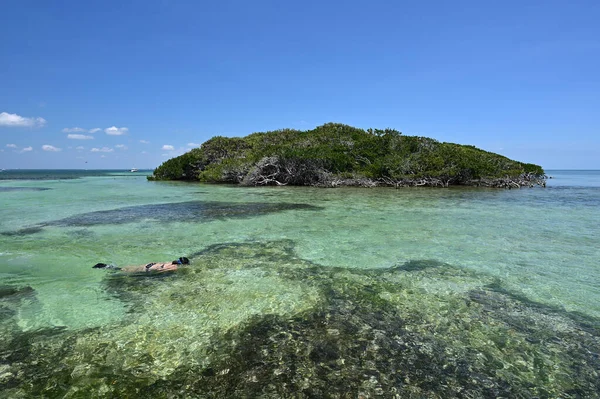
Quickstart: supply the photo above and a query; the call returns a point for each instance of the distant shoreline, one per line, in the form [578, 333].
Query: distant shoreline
[66, 174]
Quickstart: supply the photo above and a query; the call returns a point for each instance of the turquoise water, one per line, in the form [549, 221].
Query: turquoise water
[537, 248]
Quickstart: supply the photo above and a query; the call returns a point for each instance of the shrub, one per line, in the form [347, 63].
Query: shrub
[307, 157]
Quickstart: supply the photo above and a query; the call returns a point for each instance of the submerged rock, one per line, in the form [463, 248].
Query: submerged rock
[23, 232]
[12, 292]
[9, 189]
[417, 265]
[255, 320]
[190, 211]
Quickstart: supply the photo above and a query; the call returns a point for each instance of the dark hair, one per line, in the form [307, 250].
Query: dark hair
[99, 266]
[181, 261]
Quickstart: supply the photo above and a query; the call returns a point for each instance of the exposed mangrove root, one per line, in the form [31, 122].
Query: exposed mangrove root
[271, 171]
[281, 172]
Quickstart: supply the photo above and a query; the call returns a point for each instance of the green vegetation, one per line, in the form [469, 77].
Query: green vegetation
[255, 320]
[336, 154]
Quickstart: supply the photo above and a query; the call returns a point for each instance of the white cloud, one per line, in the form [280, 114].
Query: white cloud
[73, 130]
[12, 120]
[79, 137]
[116, 131]
[11, 145]
[51, 148]
[80, 130]
[144, 142]
[80, 148]
[193, 145]
[144, 152]
[27, 149]
[168, 147]
[121, 146]
[103, 149]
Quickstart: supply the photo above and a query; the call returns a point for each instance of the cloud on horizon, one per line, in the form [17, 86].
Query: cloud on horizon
[27, 149]
[116, 131]
[73, 130]
[11, 145]
[103, 149]
[172, 151]
[113, 131]
[14, 120]
[79, 137]
[51, 148]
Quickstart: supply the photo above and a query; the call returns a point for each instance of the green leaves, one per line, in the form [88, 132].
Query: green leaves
[341, 150]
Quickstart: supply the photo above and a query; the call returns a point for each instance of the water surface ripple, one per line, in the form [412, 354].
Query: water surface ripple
[299, 291]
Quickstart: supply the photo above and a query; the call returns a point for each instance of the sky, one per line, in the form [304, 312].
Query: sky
[122, 84]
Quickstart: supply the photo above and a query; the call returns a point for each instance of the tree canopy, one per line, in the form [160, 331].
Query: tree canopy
[338, 154]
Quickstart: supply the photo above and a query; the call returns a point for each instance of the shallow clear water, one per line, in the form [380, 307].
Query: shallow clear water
[540, 244]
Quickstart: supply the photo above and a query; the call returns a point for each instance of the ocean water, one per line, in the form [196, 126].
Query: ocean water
[414, 292]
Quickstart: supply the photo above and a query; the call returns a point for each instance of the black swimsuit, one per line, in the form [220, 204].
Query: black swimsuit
[149, 265]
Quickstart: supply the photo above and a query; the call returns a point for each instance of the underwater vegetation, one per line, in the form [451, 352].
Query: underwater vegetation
[8, 189]
[22, 232]
[191, 211]
[253, 319]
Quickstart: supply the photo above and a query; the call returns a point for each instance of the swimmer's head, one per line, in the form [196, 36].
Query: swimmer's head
[181, 261]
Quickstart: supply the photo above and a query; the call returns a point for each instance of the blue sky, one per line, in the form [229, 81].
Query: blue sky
[118, 84]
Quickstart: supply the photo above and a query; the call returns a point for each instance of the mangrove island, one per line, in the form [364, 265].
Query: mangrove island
[335, 154]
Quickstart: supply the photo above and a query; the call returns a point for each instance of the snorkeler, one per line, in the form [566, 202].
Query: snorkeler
[154, 267]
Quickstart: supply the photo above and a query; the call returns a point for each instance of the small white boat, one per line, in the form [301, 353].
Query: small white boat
[134, 170]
